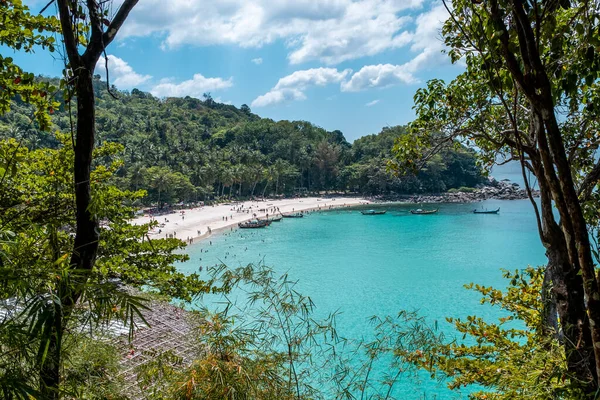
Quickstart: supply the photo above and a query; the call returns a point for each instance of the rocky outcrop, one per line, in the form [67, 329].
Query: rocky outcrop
[500, 190]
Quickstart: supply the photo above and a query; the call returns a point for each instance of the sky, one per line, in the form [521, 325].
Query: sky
[352, 65]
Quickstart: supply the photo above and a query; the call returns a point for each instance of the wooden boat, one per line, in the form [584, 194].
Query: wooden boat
[276, 219]
[373, 212]
[486, 211]
[294, 215]
[255, 223]
[424, 212]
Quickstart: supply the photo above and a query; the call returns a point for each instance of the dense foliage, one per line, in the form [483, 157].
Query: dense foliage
[513, 358]
[64, 250]
[24, 31]
[37, 222]
[182, 149]
[530, 93]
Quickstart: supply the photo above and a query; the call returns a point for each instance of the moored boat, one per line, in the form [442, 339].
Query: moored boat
[373, 212]
[293, 215]
[255, 223]
[486, 211]
[276, 219]
[421, 211]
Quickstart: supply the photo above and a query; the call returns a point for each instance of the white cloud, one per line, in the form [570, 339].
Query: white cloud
[377, 76]
[194, 87]
[330, 31]
[292, 87]
[120, 72]
[257, 61]
[372, 103]
[276, 96]
[426, 41]
[220, 100]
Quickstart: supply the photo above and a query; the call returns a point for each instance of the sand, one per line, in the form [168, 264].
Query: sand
[193, 224]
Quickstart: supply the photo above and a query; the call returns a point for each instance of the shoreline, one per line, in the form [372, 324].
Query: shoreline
[200, 223]
[502, 190]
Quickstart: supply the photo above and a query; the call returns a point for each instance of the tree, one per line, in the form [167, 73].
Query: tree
[24, 31]
[513, 358]
[159, 179]
[256, 174]
[326, 160]
[529, 94]
[38, 220]
[245, 109]
[79, 78]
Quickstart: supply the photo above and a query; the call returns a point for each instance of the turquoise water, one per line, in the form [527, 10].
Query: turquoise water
[379, 265]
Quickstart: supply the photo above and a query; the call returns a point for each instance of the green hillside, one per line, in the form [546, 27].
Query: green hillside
[183, 149]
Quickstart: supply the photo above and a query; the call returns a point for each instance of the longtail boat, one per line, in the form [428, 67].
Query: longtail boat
[276, 219]
[486, 211]
[294, 215]
[255, 223]
[423, 212]
[373, 212]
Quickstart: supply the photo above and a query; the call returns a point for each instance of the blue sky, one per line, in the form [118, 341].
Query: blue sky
[352, 65]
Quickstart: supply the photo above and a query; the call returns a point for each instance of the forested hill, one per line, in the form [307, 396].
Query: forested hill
[184, 148]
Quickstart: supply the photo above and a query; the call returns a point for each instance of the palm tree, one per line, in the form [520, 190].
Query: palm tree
[227, 178]
[256, 174]
[268, 176]
[137, 175]
[281, 169]
[161, 181]
[240, 173]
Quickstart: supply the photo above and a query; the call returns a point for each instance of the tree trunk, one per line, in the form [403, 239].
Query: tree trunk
[567, 284]
[550, 311]
[573, 264]
[265, 189]
[85, 244]
[580, 252]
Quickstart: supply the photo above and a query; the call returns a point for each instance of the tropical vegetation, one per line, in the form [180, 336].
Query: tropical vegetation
[71, 177]
[530, 94]
[186, 149]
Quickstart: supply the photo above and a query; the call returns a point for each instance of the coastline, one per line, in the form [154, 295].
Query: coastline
[193, 224]
[200, 223]
[496, 190]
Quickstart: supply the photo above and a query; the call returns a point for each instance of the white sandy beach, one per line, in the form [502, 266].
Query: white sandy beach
[195, 223]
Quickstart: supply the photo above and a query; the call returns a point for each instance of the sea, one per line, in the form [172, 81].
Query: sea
[365, 266]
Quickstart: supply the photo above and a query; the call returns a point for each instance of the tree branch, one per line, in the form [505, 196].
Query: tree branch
[117, 22]
[68, 34]
[588, 184]
[46, 6]
[511, 61]
[99, 39]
